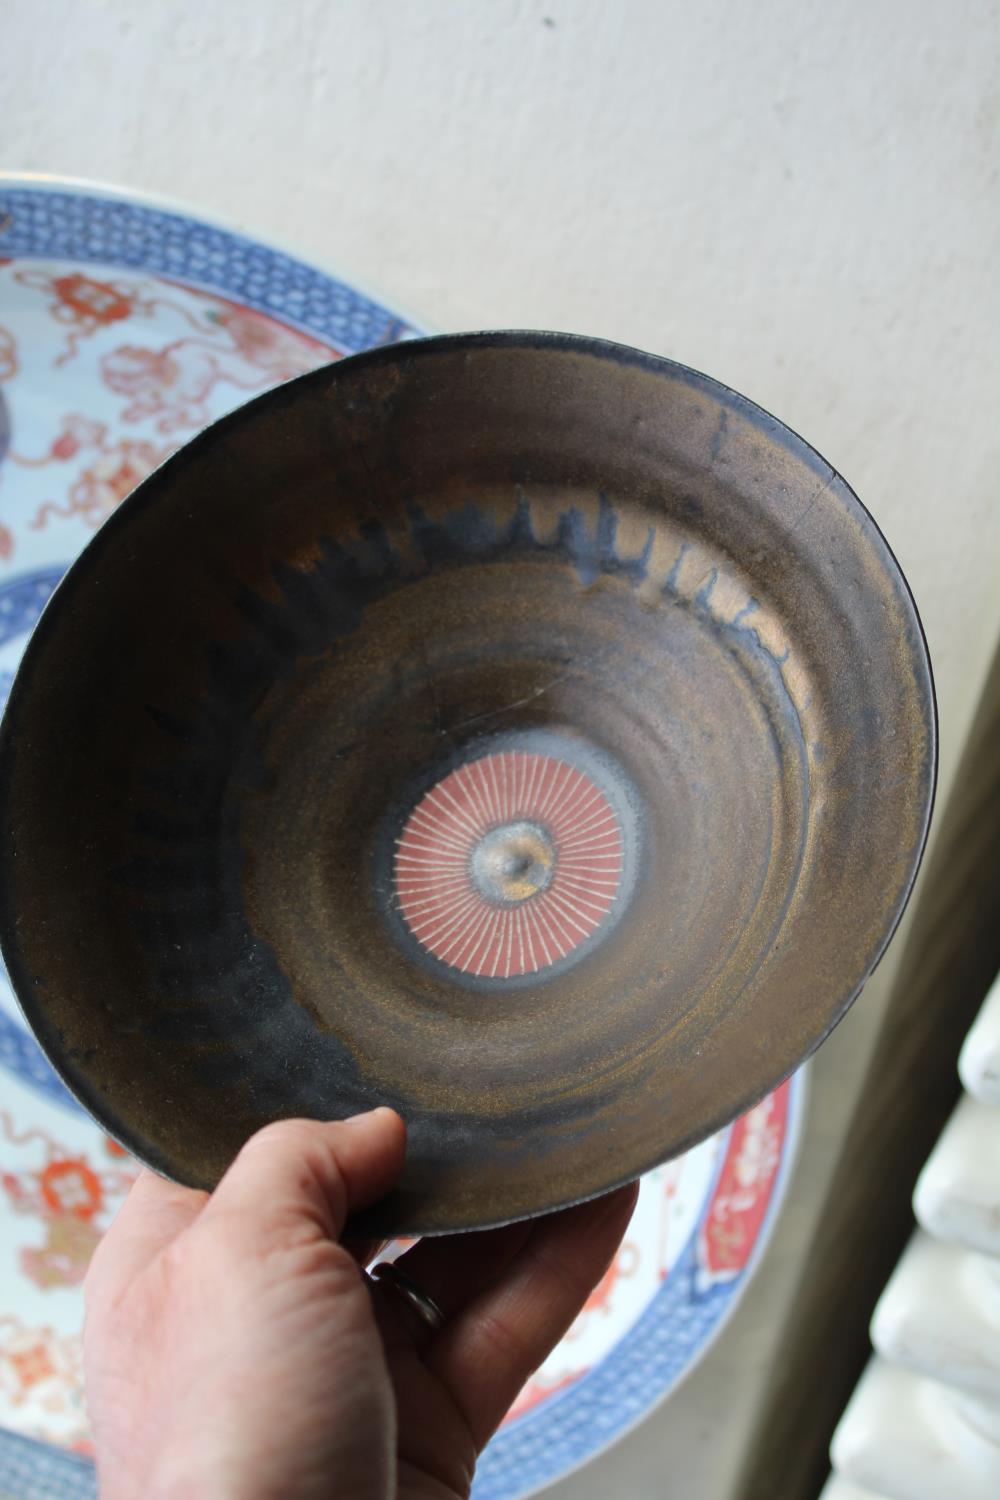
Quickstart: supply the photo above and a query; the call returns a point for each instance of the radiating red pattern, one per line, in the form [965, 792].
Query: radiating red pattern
[453, 919]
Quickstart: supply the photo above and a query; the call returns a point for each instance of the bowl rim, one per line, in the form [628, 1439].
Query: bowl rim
[414, 349]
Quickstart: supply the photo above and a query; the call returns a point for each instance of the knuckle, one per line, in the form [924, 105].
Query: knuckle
[295, 1160]
[280, 1133]
[297, 1145]
[506, 1345]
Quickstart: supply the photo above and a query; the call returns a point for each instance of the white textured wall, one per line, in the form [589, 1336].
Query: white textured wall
[798, 196]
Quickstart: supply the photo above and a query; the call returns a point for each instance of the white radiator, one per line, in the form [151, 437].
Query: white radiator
[924, 1421]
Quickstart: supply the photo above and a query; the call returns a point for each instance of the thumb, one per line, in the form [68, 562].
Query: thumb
[297, 1170]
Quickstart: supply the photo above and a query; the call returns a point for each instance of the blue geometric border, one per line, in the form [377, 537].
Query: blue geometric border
[43, 222]
[30, 1470]
[22, 1056]
[22, 599]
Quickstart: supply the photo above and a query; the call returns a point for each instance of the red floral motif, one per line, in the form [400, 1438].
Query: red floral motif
[172, 384]
[538, 1390]
[8, 355]
[671, 1176]
[84, 303]
[88, 304]
[32, 1364]
[282, 352]
[746, 1183]
[70, 1187]
[6, 542]
[624, 1265]
[65, 1256]
[86, 300]
[77, 432]
[68, 1195]
[40, 1367]
[112, 474]
[102, 486]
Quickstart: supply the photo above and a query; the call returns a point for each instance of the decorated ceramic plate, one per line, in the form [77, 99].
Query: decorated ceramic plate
[126, 326]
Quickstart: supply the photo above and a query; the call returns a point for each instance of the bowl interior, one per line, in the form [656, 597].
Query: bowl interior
[522, 731]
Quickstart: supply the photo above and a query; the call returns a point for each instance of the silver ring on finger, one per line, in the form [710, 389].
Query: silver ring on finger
[389, 1274]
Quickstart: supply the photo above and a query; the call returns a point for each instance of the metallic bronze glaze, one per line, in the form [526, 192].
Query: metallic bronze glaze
[310, 614]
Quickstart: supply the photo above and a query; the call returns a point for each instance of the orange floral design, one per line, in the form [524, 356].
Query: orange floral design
[624, 1265]
[32, 1365]
[70, 1187]
[8, 355]
[82, 300]
[172, 384]
[745, 1186]
[69, 1196]
[41, 1369]
[65, 1256]
[77, 432]
[84, 303]
[282, 352]
[103, 486]
[538, 1389]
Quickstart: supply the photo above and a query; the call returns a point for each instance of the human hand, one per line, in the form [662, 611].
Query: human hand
[235, 1350]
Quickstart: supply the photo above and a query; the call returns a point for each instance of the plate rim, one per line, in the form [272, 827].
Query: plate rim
[55, 183]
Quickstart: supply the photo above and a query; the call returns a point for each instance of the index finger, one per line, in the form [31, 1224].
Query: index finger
[488, 1350]
[297, 1172]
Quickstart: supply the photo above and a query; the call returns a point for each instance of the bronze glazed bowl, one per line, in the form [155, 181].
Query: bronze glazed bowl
[517, 729]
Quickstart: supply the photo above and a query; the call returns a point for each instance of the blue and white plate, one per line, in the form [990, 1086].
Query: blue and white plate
[127, 325]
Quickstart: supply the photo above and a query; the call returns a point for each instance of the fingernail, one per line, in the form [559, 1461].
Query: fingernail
[365, 1114]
